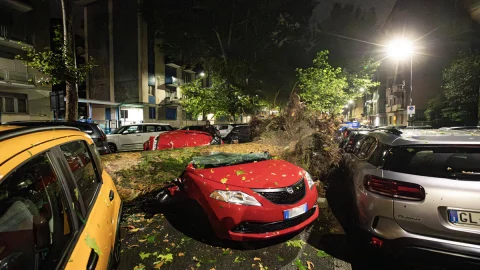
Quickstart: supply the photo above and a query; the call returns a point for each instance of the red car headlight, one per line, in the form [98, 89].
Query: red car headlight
[235, 197]
[310, 181]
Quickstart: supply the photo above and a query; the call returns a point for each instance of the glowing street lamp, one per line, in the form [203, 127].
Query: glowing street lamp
[362, 89]
[202, 74]
[400, 49]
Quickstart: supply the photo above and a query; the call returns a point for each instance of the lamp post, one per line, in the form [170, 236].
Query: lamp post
[401, 49]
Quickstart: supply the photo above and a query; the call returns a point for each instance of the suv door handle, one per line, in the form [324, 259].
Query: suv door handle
[111, 195]
[92, 260]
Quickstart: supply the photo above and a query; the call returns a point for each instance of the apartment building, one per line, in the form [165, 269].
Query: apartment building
[134, 82]
[21, 98]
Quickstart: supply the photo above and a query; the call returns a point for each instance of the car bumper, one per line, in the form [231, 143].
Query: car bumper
[440, 251]
[103, 150]
[376, 221]
[290, 226]
[265, 221]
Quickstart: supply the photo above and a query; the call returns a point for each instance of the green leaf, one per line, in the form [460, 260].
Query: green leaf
[321, 253]
[151, 239]
[280, 259]
[295, 243]
[91, 243]
[299, 265]
[139, 267]
[144, 255]
[238, 259]
[166, 258]
[239, 172]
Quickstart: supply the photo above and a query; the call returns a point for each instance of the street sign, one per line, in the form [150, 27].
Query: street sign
[411, 109]
[355, 124]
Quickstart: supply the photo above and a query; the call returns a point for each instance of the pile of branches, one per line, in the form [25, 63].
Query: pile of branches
[307, 138]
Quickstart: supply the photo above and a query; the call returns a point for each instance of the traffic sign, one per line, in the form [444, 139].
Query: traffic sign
[411, 109]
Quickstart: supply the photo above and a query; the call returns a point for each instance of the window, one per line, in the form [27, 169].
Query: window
[187, 77]
[454, 162]
[151, 90]
[35, 223]
[367, 146]
[401, 119]
[389, 120]
[378, 156]
[164, 128]
[22, 105]
[83, 169]
[150, 129]
[152, 112]
[131, 130]
[123, 113]
[13, 103]
[9, 105]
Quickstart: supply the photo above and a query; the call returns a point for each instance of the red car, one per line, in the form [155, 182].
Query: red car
[180, 139]
[251, 196]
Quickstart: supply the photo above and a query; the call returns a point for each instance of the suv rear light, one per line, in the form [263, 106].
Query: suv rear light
[393, 188]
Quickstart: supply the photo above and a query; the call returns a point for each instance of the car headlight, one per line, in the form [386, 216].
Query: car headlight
[310, 181]
[236, 197]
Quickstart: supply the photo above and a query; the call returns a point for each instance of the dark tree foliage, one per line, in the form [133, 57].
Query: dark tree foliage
[256, 45]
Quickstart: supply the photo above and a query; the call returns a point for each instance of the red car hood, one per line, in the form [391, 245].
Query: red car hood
[261, 174]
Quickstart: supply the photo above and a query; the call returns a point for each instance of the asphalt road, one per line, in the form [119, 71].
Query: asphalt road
[181, 238]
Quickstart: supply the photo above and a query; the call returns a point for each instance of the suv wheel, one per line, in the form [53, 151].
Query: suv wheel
[112, 147]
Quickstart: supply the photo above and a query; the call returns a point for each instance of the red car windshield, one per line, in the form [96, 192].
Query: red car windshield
[228, 159]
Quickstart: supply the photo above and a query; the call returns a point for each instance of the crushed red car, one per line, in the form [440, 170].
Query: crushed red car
[250, 196]
[180, 139]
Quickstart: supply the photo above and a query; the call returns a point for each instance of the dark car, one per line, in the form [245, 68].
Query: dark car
[239, 134]
[346, 133]
[352, 140]
[203, 128]
[96, 133]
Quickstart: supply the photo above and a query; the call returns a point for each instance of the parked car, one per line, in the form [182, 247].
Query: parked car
[93, 130]
[202, 128]
[239, 134]
[58, 207]
[224, 129]
[353, 139]
[132, 137]
[345, 134]
[461, 128]
[180, 139]
[251, 196]
[418, 191]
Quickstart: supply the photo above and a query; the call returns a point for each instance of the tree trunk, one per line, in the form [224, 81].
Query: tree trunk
[69, 53]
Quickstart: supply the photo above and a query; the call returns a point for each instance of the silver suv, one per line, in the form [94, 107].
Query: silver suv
[418, 190]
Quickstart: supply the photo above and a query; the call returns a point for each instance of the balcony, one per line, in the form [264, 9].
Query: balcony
[388, 108]
[173, 81]
[397, 107]
[396, 90]
[16, 74]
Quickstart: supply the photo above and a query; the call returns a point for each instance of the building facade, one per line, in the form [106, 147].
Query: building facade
[21, 98]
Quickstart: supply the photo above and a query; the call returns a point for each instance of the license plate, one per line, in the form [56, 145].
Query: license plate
[297, 211]
[461, 217]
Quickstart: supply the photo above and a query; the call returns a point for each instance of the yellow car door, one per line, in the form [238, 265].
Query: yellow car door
[98, 203]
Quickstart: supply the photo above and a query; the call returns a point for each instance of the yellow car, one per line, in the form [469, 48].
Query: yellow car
[58, 207]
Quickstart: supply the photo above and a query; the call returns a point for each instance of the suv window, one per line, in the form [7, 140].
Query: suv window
[85, 128]
[150, 128]
[34, 220]
[83, 169]
[366, 147]
[435, 161]
[377, 158]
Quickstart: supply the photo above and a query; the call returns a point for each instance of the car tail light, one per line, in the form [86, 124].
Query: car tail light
[393, 188]
[376, 242]
[345, 134]
[102, 138]
[146, 145]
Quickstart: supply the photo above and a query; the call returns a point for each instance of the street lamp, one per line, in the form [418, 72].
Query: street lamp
[402, 49]
[362, 89]
[202, 74]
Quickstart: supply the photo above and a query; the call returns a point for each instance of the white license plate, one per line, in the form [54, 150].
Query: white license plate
[461, 217]
[297, 211]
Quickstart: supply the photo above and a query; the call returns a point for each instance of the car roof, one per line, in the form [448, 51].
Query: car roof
[49, 123]
[140, 124]
[427, 136]
[17, 139]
